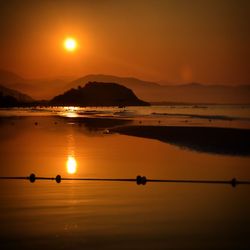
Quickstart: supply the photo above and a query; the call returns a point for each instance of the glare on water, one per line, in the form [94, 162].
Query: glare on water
[71, 165]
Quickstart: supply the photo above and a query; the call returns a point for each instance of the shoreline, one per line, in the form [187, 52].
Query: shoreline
[197, 137]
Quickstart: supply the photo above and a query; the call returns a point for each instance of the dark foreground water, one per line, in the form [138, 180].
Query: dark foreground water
[98, 215]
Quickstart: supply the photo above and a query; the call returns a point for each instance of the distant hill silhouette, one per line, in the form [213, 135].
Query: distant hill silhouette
[145, 90]
[10, 97]
[129, 82]
[37, 88]
[7, 77]
[98, 94]
[180, 93]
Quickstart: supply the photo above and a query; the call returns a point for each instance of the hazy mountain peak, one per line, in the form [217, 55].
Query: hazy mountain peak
[19, 96]
[127, 81]
[7, 77]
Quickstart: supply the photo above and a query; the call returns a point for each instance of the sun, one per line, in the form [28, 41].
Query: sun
[70, 44]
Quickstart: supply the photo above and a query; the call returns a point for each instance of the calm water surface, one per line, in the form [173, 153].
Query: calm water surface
[97, 215]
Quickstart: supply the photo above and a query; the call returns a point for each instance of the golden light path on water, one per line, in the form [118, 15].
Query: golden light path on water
[71, 165]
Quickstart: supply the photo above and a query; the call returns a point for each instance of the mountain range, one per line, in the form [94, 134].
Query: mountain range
[145, 90]
[182, 93]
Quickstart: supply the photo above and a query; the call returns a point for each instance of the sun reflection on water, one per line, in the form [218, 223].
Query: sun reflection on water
[70, 111]
[71, 165]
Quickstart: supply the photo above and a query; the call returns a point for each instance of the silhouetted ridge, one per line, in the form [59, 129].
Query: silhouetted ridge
[10, 97]
[98, 94]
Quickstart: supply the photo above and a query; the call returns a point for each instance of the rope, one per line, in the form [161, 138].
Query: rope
[140, 180]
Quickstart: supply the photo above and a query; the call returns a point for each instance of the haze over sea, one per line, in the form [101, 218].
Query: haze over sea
[84, 142]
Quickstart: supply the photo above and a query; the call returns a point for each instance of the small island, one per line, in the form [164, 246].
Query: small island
[98, 94]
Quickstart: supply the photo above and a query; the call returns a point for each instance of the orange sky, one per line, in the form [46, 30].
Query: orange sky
[169, 41]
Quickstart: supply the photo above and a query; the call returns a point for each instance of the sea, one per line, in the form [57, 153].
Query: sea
[76, 142]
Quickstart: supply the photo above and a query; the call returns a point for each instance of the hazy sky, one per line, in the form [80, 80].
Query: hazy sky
[159, 40]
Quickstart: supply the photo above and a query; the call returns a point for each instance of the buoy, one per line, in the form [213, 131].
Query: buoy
[141, 180]
[58, 178]
[32, 178]
[138, 180]
[234, 182]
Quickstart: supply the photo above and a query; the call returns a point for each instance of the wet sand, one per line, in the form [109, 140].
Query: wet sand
[229, 141]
